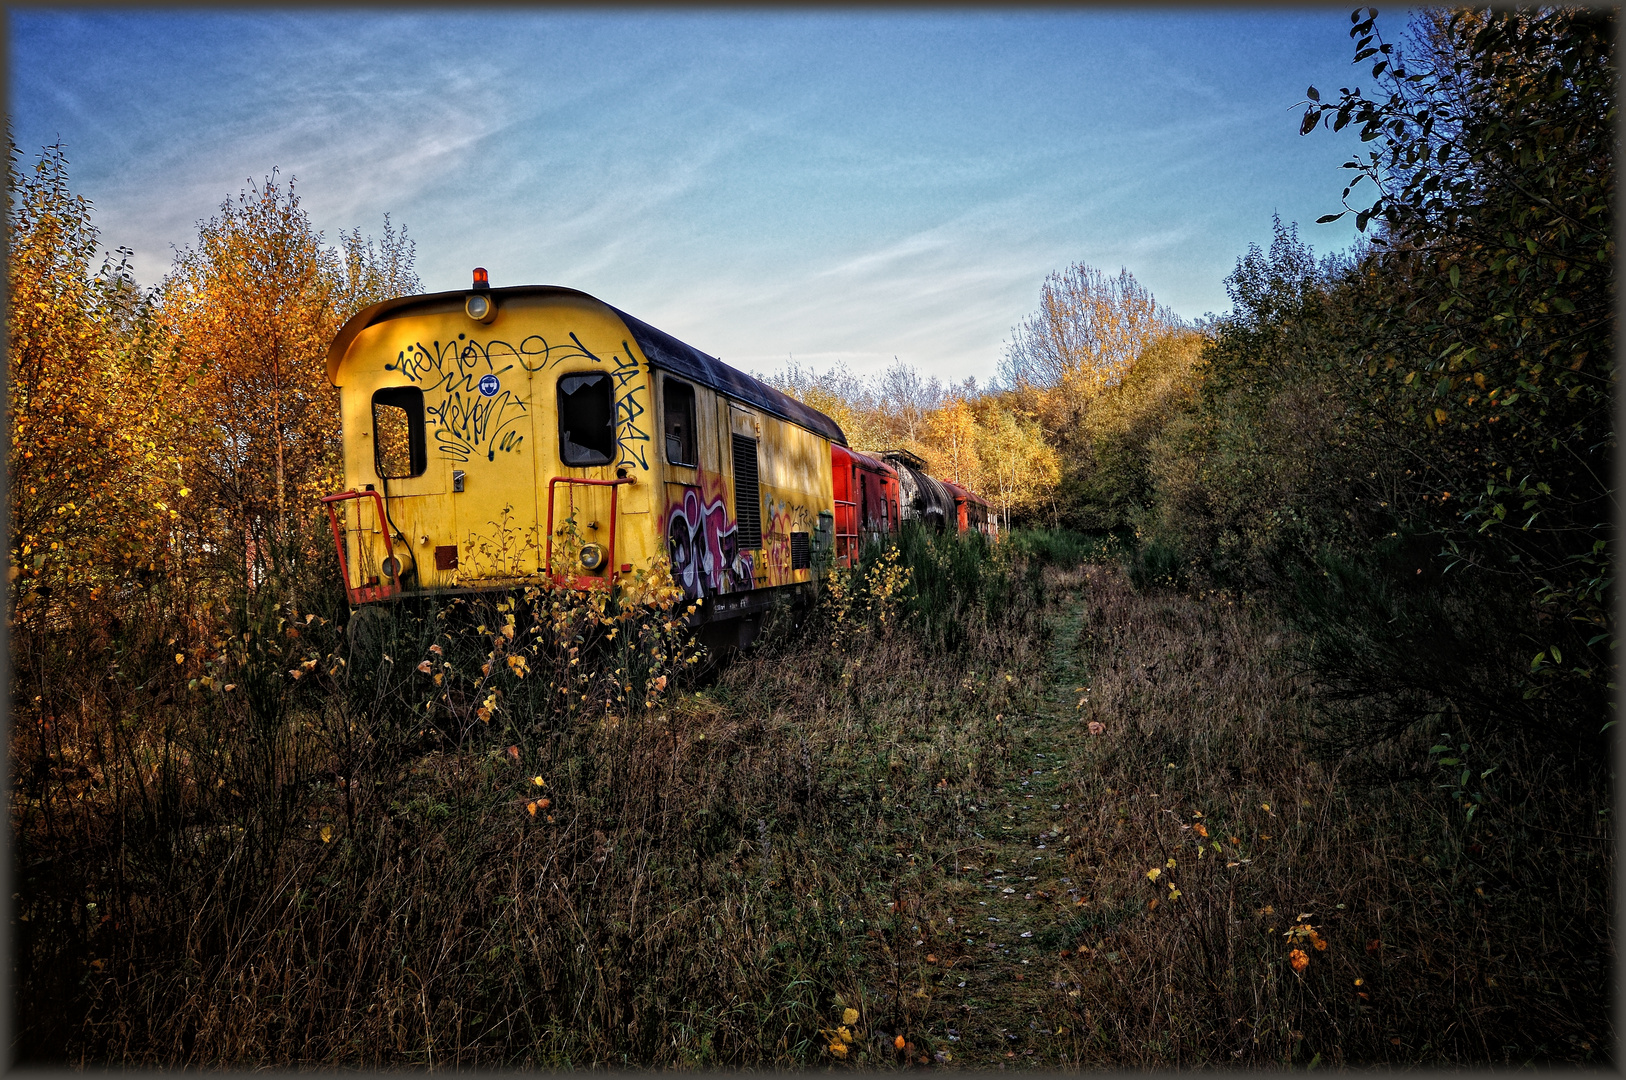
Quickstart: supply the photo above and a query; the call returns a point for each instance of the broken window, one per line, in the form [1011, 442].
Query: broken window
[679, 402]
[586, 419]
[399, 449]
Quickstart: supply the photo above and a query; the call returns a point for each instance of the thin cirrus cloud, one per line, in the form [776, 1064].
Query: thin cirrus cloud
[838, 186]
[952, 281]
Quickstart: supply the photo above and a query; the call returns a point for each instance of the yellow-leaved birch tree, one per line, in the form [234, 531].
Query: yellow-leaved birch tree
[252, 306]
[92, 455]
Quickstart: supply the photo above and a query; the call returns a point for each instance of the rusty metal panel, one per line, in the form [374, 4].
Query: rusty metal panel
[922, 497]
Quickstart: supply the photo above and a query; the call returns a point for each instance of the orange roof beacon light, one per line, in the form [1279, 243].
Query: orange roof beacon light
[479, 306]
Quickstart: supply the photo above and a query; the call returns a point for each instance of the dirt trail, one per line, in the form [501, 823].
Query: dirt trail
[1007, 903]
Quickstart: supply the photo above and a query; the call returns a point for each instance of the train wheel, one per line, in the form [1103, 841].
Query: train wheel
[370, 628]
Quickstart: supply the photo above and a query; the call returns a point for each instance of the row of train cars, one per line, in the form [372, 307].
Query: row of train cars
[477, 424]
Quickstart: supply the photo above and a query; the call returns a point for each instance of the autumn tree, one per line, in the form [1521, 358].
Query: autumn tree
[1087, 331]
[252, 306]
[949, 435]
[94, 465]
[906, 398]
[1019, 469]
[1112, 473]
[1086, 334]
[374, 269]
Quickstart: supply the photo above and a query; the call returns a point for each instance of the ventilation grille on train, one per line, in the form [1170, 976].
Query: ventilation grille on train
[801, 552]
[747, 495]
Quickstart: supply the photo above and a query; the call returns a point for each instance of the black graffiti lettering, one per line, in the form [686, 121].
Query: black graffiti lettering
[467, 422]
[630, 438]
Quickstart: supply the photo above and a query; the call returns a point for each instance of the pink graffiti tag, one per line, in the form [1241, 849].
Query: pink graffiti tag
[705, 549]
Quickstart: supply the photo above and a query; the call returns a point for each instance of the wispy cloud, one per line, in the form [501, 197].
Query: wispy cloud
[835, 185]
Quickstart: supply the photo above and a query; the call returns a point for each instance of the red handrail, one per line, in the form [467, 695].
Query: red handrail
[609, 559]
[362, 593]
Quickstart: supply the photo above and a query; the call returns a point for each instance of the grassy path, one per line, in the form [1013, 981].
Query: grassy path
[992, 936]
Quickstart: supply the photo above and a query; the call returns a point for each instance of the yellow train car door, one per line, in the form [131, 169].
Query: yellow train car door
[482, 427]
[581, 427]
[745, 439]
[415, 480]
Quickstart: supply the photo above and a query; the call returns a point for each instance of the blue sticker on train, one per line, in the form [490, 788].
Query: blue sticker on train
[489, 385]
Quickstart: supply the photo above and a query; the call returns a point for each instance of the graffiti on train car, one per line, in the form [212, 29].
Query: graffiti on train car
[629, 437]
[704, 545]
[475, 413]
[472, 412]
[784, 518]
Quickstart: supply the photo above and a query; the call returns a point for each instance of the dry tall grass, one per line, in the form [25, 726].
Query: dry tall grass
[861, 816]
[1450, 936]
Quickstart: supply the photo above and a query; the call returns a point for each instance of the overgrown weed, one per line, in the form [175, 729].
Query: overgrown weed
[867, 814]
[1456, 926]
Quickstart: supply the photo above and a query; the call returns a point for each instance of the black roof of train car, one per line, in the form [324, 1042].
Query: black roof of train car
[663, 350]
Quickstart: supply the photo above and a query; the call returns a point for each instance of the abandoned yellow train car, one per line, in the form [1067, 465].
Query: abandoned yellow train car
[494, 437]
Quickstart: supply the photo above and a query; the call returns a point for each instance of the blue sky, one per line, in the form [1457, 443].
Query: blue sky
[837, 186]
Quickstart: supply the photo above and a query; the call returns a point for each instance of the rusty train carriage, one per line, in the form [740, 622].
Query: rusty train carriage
[866, 501]
[477, 424]
[922, 497]
[937, 504]
[497, 437]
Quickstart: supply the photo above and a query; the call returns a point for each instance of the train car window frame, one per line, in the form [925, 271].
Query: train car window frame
[576, 403]
[677, 397]
[408, 400]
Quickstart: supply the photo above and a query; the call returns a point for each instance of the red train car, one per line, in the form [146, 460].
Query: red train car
[866, 501]
[972, 511]
[875, 495]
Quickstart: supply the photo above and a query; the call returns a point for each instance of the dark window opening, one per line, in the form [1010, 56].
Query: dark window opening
[747, 495]
[399, 447]
[801, 551]
[679, 401]
[586, 420]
